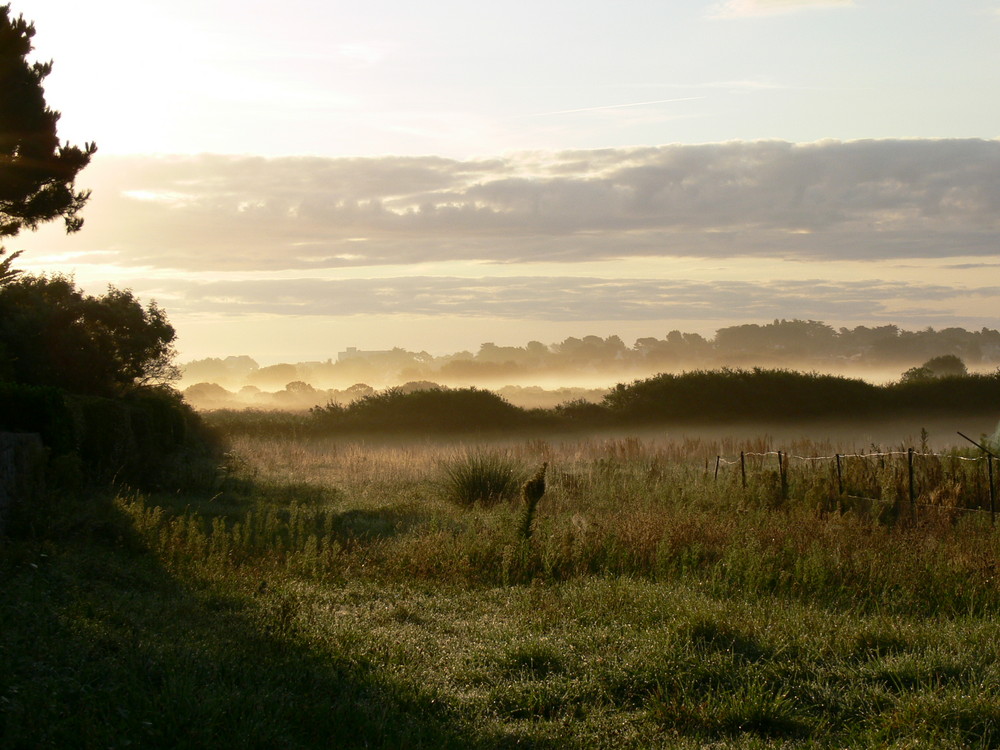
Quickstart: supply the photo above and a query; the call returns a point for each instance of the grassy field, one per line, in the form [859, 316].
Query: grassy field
[348, 593]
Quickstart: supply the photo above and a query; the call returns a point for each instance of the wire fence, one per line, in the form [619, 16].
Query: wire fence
[908, 481]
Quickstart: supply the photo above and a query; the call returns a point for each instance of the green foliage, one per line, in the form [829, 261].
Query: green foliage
[916, 374]
[704, 397]
[955, 394]
[141, 440]
[106, 441]
[944, 366]
[582, 412]
[37, 172]
[750, 709]
[30, 408]
[260, 423]
[781, 395]
[434, 410]
[146, 440]
[7, 270]
[53, 334]
[482, 478]
[735, 395]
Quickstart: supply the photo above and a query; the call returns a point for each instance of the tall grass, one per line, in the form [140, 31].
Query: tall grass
[621, 508]
[333, 592]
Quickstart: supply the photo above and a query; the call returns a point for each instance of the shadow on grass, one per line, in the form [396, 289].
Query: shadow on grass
[102, 647]
[380, 523]
[304, 504]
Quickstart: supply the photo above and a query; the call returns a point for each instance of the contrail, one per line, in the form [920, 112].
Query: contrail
[612, 106]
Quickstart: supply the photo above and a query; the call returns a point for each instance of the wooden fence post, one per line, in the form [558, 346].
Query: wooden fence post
[993, 501]
[782, 480]
[743, 469]
[840, 477]
[909, 470]
[989, 475]
[717, 460]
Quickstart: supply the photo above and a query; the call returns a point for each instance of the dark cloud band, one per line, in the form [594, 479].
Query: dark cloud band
[828, 200]
[567, 298]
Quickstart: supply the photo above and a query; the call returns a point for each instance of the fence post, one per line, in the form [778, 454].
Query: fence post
[840, 477]
[782, 480]
[743, 469]
[993, 501]
[989, 475]
[717, 460]
[909, 471]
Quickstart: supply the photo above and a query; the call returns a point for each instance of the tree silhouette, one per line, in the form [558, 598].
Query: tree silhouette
[53, 334]
[944, 366]
[37, 172]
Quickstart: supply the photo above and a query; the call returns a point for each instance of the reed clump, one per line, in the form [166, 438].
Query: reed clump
[482, 477]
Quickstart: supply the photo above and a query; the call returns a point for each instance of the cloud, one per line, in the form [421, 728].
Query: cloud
[752, 8]
[614, 106]
[971, 266]
[564, 299]
[828, 200]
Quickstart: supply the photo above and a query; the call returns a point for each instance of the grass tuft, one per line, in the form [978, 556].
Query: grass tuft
[535, 658]
[752, 709]
[482, 478]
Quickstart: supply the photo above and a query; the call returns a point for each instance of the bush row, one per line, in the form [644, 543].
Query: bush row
[777, 395]
[97, 440]
[716, 397]
[431, 410]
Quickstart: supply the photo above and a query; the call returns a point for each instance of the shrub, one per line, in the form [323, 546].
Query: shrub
[945, 366]
[971, 393]
[53, 334]
[439, 410]
[581, 411]
[105, 440]
[41, 409]
[730, 395]
[484, 477]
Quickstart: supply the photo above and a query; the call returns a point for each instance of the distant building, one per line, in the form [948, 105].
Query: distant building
[354, 353]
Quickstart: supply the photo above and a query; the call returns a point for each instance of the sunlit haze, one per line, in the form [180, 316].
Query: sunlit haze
[289, 180]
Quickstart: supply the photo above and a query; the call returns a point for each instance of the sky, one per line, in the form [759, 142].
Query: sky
[287, 181]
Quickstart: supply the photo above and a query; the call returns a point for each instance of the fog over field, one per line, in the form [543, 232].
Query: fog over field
[544, 375]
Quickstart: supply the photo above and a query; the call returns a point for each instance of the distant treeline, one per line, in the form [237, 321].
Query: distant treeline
[701, 397]
[798, 344]
[299, 396]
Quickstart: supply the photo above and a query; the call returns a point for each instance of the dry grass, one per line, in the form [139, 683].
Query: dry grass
[648, 508]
